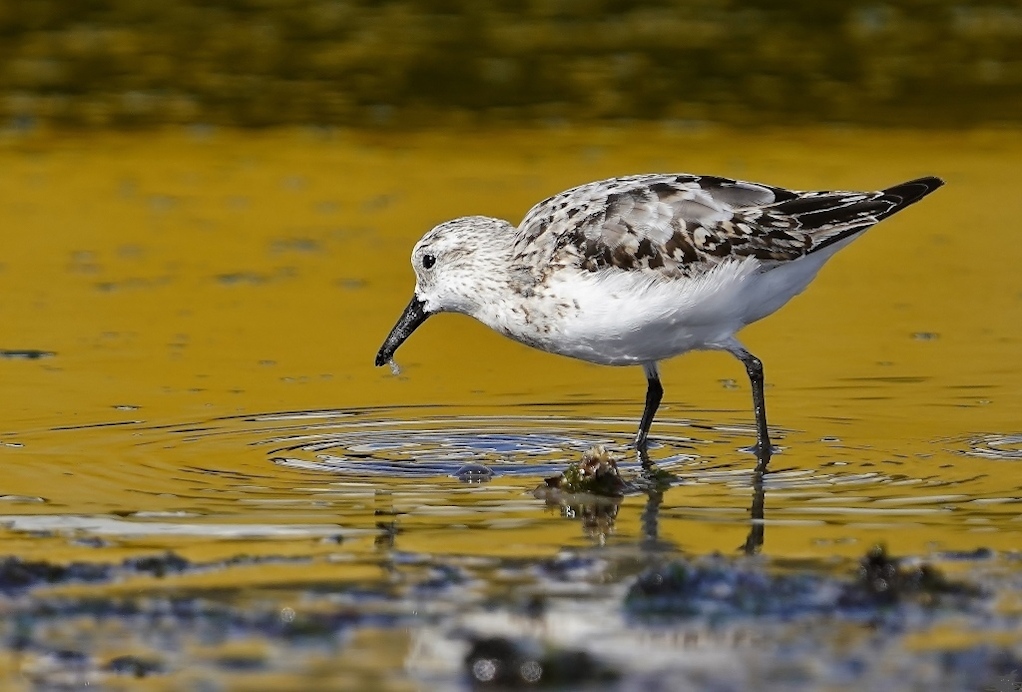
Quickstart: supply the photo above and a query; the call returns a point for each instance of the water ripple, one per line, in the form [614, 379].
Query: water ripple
[994, 446]
[448, 445]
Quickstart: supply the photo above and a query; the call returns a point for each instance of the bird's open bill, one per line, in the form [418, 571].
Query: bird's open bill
[414, 315]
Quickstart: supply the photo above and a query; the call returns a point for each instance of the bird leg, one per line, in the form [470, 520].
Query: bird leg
[754, 541]
[654, 393]
[754, 366]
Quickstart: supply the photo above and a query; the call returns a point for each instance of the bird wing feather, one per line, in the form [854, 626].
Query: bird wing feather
[684, 225]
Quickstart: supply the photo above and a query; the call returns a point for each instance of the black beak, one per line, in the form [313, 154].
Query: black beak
[414, 315]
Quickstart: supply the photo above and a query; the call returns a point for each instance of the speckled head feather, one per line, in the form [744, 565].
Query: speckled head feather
[451, 261]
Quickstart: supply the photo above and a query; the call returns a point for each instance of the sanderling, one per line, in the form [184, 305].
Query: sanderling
[633, 270]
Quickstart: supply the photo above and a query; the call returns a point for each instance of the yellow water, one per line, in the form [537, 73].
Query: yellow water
[214, 301]
[194, 284]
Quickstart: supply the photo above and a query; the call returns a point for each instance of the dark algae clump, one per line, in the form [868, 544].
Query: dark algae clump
[505, 663]
[134, 666]
[596, 474]
[718, 587]
[17, 575]
[882, 580]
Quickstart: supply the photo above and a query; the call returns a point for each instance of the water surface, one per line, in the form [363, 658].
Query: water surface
[189, 322]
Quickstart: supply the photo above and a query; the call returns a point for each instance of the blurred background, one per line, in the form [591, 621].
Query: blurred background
[418, 63]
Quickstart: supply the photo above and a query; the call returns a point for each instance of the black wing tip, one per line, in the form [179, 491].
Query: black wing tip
[913, 190]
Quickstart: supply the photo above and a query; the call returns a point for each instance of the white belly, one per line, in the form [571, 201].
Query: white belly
[628, 318]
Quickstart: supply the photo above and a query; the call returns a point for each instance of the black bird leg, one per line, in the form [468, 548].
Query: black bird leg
[754, 541]
[754, 366]
[654, 393]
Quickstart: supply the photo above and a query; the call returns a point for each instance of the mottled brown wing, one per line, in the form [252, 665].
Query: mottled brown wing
[683, 225]
[676, 225]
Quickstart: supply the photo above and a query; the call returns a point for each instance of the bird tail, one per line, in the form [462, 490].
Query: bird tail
[908, 193]
[836, 219]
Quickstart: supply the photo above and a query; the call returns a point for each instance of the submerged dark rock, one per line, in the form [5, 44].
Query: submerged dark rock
[503, 662]
[717, 587]
[723, 588]
[882, 580]
[158, 565]
[17, 574]
[134, 666]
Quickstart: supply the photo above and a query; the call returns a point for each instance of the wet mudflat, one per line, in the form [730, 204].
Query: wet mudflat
[207, 485]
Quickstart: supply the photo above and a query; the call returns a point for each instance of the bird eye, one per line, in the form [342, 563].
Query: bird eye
[428, 261]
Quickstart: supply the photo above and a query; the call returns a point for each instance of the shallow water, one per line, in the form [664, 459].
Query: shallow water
[189, 321]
